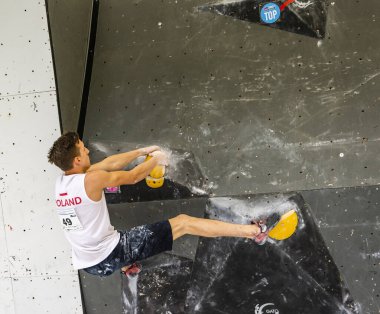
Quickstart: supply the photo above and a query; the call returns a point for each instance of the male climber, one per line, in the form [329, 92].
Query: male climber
[97, 247]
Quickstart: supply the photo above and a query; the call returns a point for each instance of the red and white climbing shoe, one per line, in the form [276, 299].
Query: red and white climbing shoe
[132, 270]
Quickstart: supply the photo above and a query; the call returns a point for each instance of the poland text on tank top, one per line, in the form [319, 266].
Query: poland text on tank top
[86, 223]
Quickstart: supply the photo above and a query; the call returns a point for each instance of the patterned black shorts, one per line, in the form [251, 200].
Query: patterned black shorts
[134, 245]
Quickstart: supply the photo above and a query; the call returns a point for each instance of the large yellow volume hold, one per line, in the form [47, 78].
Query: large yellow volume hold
[285, 227]
[156, 176]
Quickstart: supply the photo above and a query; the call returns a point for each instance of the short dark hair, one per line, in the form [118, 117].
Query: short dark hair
[64, 150]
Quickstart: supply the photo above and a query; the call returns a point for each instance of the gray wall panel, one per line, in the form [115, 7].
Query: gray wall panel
[263, 109]
[70, 26]
[349, 222]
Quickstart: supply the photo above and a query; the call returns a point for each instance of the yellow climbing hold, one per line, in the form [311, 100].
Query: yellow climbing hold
[285, 227]
[153, 182]
[157, 172]
[156, 177]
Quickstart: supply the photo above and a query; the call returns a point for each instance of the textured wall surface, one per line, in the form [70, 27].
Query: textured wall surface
[260, 109]
[69, 27]
[36, 275]
[349, 220]
[264, 110]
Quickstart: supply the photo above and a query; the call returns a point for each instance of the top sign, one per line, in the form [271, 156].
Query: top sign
[270, 13]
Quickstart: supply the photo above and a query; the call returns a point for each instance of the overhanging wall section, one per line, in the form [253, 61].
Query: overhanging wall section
[69, 28]
[263, 110]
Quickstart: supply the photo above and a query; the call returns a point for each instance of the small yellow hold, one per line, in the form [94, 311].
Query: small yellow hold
[153, 182]
[285, 227]
[158, 171]
[156, 177]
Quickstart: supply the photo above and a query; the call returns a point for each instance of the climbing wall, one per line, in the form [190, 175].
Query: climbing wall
[69, 25]
[262, 109]
[257, 107]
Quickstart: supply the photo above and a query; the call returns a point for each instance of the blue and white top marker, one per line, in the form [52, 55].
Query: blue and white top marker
[270, 13]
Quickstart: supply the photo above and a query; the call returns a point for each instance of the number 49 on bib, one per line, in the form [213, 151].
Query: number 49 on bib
[70, 222]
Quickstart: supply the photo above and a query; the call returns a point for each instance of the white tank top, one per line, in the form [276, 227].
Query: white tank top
[86, 223]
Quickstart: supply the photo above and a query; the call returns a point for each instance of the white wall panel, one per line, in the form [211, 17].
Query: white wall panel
[6, 296]
[56, 295]
[26, 63]
[4, 264]
[36, 274]
[28, 206]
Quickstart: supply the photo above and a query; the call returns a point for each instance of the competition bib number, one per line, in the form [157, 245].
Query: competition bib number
[70, 221]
